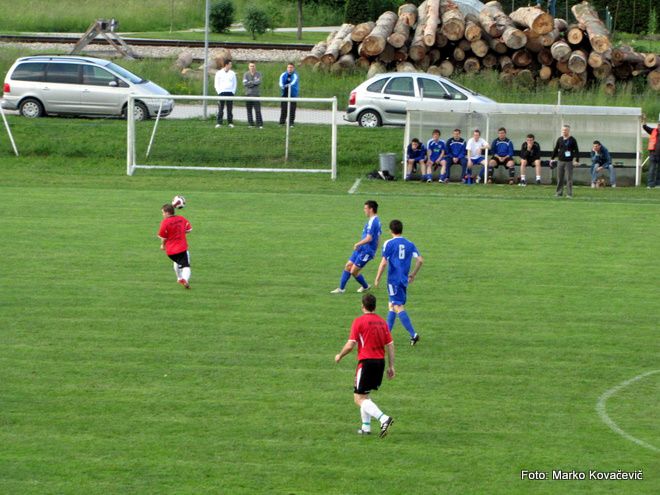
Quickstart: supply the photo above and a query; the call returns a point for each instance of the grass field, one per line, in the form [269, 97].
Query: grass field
[116, 380]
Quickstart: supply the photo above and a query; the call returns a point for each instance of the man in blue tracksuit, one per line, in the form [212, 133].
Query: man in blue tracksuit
[456, 152]
[502, 149]
[289, 88]
[601, 160]
[415, 155]
[435, 148]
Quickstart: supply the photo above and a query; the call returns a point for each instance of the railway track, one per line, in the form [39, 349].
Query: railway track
[158, 42]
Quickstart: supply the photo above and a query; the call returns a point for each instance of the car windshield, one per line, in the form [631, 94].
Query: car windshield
[125, 74]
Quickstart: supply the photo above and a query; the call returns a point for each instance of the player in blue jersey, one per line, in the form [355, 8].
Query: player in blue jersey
[363, 251]
[415, 155]
[502, 154]
[456, 152]
[398, 253]
[435, 149]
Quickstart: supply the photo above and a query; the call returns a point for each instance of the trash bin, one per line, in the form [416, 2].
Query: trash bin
[388, 162]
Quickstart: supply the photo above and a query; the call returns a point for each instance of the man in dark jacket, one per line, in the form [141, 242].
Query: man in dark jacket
[567, 154]
[654, 154]
[601, 160]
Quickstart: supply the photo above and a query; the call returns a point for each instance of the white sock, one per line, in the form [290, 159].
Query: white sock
[538, 177]
[177, 270]
[185, 273]
[368, 406]
[366, 420]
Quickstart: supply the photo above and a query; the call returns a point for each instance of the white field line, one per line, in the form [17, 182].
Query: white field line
[355, 186]
[600, 408]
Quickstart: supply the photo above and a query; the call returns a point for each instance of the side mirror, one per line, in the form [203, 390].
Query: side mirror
[447, 96]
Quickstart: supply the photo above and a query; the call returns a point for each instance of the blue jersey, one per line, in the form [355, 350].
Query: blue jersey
[399, 252]
[418, 155]
[436, 148]
[372, 228]
[502, 147]
[456, 147]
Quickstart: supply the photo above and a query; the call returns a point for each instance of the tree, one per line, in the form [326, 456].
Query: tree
[221, 16]
[256, 21]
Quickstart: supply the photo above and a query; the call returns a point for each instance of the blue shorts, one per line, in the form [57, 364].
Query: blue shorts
[434, 157]
[361, 257]
[477, 160]
[397, 294]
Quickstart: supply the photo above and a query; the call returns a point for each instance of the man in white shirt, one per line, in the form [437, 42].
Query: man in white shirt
[225, 85]
[475, 148]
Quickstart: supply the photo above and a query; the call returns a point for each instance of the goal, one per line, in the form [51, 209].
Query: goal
[185, 140]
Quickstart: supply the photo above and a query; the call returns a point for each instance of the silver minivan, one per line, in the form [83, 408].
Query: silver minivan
[383, 99]
[42, 85]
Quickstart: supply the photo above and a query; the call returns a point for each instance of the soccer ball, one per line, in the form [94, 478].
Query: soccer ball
[179, 202]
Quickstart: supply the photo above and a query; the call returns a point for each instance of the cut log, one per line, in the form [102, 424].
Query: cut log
[459, 54]
[545, 74]
[525, 78]
[571, 81]
[363, 63]
[345, 62]
[408, 12]
[505, 63]
[401, 54]
[417, 47]
[602, 71]
[405, 67]
[464, 45]
[472, 30]
[512, 36]
[488, 21]
[609, 85]
[432, 20]
[596, 59]
[453, 20]
[533, 41]
[346, 45]
[434, 70]
[361, 31]
[375, 42]
[651, 60]
[533, 18]
[507, 77]
[434, 55]
[489, 61]
[496, 44]
[440, 39]
[544, 57]
[387, 55]
[561, 25]
[549, 38]
[625, 54]
[622, 71]
[446, 68]
[562, 66]
[479, 48]
[599, 36]
[522, 58]
[577, 62]
[401, 33]
[575, 35]
[184, 60]
[560, 51]
[332, 51]
[472, 65]
[376, 68]
[315, 54]
[654, 80]
[424, 64]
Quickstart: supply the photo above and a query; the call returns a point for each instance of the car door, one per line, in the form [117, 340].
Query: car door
[397, 93]
[440, 97]
[62, 89]
[103, 92]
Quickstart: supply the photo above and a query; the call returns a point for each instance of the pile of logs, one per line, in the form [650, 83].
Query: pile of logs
[527, 46]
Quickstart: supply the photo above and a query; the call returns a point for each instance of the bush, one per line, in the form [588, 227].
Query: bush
[358, 11]
[221, 16]
[256, 21]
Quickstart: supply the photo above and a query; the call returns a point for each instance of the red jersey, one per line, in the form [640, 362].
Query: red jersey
[371, 334]
[174, 229]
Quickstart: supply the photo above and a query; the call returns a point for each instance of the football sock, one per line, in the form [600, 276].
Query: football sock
[185, 273]
[344, 279]
[177, 270]
[372, 409]
[407, 324]
[538, 177]
[391, 318]
[361, 280]
[366, 420]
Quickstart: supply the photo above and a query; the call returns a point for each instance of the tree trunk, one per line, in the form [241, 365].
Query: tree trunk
[596, 59]
[361, 31]
[561, 25]
[315, 54]
[346, 45]
[560, 51]
[577, 62]
[401, 33]
[332, 51]
[522, 58]
[432, 20]
[513, 37]
[471, 65]
[496, 44]
[575, 35]
[446, 68]
[453, 21]
[479, 48]
[417, 47]
[374, 44]
[654, 79]
[599, 36]
[376, 68]
[472, 30]
[533, 18]
[408, 12]
[549, 38]
[299, 20]
[625, 54]
[488, 20]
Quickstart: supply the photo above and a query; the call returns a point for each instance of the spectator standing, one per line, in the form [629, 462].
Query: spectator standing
[225, 85]
[252, 84]
[530, 153]
[654, 154]
[289, 87]
[567, 153]
[601, 160]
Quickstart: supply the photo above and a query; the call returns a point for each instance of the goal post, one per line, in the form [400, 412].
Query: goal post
[8, 129]
[187, 141]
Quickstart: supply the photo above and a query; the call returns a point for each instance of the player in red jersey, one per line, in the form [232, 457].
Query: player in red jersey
[172, 233]
[370, 334]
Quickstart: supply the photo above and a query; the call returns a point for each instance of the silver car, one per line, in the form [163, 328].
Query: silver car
[382, 100]
[41, 85]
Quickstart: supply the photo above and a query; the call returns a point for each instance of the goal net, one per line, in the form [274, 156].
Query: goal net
[306, 142]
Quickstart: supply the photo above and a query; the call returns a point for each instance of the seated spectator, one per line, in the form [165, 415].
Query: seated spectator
[475, 148]
[530, 153]
[502, 155]
[415, 155]
[435, 149]
[455, 147]
[601, 160]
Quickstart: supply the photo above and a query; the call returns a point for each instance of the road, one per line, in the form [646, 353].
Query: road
[270, 114]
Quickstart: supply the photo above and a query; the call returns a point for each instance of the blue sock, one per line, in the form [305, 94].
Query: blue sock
[362, 281]
[344, 278]
[391, 318]
[407, 324]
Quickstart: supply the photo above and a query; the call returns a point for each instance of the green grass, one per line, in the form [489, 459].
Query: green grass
[116, 380]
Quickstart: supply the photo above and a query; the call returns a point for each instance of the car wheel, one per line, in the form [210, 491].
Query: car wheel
[369, 118]
[140, 111]
[31, 108]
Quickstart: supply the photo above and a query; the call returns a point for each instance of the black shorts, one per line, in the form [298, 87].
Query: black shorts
[531, 158]
[500, 161]
[369, 375]
[181, 259]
